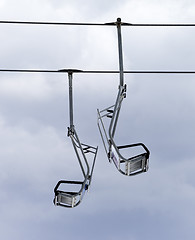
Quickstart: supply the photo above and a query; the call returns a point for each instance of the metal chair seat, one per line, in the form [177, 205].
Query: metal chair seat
[68, 198]
[133, 165]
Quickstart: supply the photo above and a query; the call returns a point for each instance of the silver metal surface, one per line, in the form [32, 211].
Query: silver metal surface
[66, 199]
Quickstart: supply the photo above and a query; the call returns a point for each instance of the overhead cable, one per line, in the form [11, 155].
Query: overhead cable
[100, 24]
[97, 71]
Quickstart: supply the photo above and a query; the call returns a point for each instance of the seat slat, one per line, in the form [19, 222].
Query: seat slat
[65, 199]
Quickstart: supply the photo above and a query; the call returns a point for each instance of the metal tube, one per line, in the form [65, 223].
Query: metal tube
[70, 100]
[77, 154]
[116, 112]
[115, 116]
[120, 51]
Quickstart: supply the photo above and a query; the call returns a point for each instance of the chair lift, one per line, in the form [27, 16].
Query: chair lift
[73, 198]
[128, 166]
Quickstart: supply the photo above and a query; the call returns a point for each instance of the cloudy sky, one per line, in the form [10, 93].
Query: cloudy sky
[159, 111]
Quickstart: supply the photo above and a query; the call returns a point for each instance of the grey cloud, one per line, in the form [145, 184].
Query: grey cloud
[35, 152]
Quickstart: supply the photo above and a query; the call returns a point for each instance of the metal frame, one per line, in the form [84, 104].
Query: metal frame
[127, 166]
[73, 198]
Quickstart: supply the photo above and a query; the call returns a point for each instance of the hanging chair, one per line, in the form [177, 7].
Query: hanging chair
[133, 164]
[85, 154]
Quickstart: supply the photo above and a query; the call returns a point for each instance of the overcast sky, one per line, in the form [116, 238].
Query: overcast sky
[35, 152]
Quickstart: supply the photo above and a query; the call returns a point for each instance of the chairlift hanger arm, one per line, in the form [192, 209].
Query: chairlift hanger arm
[73, 198]
[120, 52]
[132, 165]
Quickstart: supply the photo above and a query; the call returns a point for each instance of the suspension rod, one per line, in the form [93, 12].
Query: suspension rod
[70, 100]
[120, 51]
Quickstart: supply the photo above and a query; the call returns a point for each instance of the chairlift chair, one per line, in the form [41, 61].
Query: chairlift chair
[74, 197]
[128, 166]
